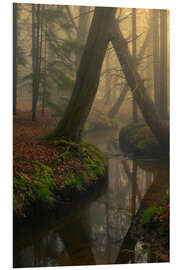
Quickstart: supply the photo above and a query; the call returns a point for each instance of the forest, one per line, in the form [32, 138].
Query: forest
[90, 135]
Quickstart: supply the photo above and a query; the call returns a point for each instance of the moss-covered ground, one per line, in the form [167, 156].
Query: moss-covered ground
[48, 172]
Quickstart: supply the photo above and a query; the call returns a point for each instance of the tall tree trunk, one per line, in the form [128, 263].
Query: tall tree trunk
[33, 55]
[14, 57]
[163, 65]
[136, 84]
[115, 108]
[82, 30]
[37, 63]
[45, 71]
[72, 124]
[135, 111]
[156, 56]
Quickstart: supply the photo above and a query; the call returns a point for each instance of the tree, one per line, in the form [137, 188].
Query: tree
[87, 80]
[36, 55]
[135, 111]
[156, 56]
[115, 108]
[82, 29]
[160, 61]
[44, 93]
[14, 56]
[151, 115]
[107, 80]
[163, 65]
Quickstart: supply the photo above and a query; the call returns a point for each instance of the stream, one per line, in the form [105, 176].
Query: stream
[96, 231]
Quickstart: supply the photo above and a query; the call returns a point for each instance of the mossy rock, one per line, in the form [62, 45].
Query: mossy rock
[137, 139]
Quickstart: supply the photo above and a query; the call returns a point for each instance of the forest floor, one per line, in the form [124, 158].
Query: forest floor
[43, 168]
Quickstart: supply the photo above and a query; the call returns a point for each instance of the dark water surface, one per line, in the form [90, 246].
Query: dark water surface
[96, 231]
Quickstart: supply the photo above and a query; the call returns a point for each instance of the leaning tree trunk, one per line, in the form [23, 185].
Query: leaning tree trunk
[107, 80]
[14, 57]
[115, 108]
[72, 124]
[136, 84]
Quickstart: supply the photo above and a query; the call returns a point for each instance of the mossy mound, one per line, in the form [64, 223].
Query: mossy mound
[137, 139]
[77, 167]
[154, 227]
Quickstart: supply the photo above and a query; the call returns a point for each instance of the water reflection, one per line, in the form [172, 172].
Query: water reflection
[101, 234]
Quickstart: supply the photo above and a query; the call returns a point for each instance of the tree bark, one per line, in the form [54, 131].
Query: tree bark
[45, 70]
[135, 111]
[107, 81]
[82, 29]
[36, 60]
[72, 124]
[156, 57]
[136, 84]
[163, 65]
[33, 56]
[14, 57]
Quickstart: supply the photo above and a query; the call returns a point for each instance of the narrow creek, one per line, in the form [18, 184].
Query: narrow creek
[97, 231]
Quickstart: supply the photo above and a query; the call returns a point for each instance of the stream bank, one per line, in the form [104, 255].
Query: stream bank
[69, 172]
[137, 139]
[97, 229]
[152, 222]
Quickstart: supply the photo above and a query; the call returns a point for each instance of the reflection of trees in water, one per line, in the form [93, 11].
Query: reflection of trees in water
[131, 249]
[77, 242]
[43, 252]
[117, 207]
[102, 234]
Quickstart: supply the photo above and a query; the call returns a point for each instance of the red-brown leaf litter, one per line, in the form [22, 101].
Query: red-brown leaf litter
[28, 146]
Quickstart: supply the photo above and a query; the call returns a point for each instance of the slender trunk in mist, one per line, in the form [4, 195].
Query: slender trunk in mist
[135, 109]
[116, 107]
[72, 124]
[14, 57]
[45, 71]
[163, 65]
[33, 54]
[156, 57]
[136, 84]
[36, 55]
